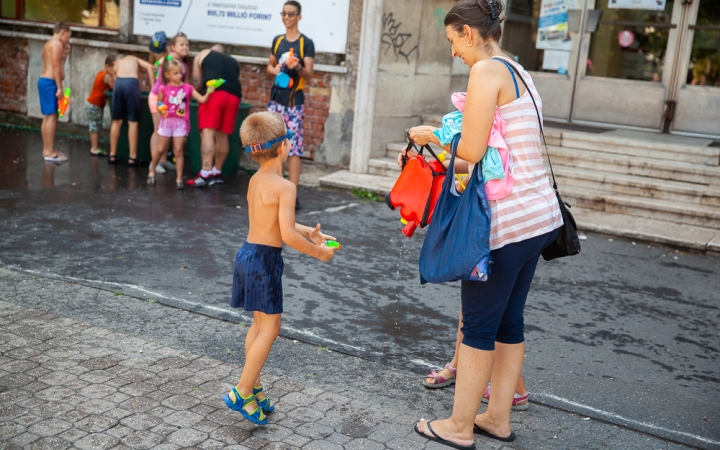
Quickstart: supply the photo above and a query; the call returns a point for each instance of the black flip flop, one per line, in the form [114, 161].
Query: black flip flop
[134, 162]
[112, 159]
[440, 440]
[481, 432]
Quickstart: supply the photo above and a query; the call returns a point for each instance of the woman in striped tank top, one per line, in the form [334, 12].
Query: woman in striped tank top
[523, 224]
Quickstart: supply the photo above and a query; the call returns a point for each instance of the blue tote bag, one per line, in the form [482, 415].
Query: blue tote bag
[457, 244]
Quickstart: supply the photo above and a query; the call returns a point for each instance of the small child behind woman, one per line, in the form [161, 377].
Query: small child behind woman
[175, 123]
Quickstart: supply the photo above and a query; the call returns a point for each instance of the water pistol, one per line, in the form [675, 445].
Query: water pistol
[64, 103]
[216, 83]
[333, 244]
[162, 109]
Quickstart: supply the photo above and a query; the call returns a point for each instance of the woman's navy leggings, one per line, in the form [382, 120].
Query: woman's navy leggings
[493, 310]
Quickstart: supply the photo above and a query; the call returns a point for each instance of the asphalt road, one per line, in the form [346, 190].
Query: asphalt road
[626, 333]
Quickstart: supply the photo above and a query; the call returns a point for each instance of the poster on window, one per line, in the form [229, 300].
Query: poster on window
[243, 22]
[553, 32]
[655, 5]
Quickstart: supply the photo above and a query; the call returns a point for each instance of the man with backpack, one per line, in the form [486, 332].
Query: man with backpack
[291, 62]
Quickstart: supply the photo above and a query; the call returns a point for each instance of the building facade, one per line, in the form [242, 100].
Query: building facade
[651, 65]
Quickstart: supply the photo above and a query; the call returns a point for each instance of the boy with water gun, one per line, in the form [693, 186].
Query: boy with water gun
[257, 276]
[50, 88]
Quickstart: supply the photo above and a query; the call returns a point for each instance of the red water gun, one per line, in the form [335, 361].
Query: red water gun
[417, 189]
[64, 103]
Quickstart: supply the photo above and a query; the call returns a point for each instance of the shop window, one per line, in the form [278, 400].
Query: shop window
[630, 44]
[536, 33]
[704, 67]
[92, 13]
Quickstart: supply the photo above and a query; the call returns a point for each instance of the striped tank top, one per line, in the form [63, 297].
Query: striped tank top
[531, 209]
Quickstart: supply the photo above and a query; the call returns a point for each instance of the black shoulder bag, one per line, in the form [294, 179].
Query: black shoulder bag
[567, 242]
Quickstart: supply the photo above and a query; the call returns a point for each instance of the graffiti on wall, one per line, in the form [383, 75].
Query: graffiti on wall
[395, 39]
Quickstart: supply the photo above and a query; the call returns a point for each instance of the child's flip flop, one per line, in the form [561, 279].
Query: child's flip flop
[237, 402]
[100, 152]
[59, 157]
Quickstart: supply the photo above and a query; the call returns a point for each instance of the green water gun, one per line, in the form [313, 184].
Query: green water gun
[333, 244]
[216, 83]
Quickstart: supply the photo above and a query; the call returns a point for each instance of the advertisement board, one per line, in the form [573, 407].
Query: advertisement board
[243, 22]
[654, 5]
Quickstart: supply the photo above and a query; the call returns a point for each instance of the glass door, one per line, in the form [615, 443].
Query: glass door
[542, 36]
[627, 61]
[694, 103]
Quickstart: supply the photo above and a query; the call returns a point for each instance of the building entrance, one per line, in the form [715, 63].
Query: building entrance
[645, 64]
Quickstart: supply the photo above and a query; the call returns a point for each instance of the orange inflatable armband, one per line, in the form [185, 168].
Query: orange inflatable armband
[416, 192]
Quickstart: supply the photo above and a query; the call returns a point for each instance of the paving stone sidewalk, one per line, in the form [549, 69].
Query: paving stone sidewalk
[86, 368]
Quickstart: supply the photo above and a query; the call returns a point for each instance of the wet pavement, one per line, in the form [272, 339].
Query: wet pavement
[623, 333]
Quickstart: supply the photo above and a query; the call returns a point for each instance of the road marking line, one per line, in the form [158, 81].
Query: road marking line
[624, 419]
[333, 209]
[180, 300]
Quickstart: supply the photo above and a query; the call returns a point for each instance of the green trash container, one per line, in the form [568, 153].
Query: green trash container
[145, 132]
[230, 167]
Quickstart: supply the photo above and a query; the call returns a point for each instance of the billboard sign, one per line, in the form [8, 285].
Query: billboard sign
[243, 22]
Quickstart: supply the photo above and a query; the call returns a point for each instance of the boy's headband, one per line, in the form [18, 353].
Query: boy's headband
[253, 148]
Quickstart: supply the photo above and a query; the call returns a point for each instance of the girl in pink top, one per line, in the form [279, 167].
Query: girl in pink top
[174, 105]
[160, 49]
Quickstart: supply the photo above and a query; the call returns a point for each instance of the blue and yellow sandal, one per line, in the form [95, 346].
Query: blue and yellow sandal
[232, 400]
[265, 404]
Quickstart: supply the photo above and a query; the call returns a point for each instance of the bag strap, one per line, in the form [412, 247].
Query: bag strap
[412, 144]
[302, 47]
[537, 111]
[277, 44]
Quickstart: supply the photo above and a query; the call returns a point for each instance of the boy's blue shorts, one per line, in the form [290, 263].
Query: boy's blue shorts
[257, 279]
[47, 88]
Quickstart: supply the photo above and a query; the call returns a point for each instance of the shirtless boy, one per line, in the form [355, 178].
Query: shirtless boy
[126, 103]
[257, 277]
[50, 87]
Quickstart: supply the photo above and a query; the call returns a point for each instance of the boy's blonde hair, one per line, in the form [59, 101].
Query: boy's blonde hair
[262, 127]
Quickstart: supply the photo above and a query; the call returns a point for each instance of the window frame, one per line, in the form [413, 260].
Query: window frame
[21, 20]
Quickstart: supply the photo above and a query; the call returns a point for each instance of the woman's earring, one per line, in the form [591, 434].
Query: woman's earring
[469, 44]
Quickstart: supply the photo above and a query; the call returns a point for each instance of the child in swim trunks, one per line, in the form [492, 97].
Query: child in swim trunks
[126, 103]
[257, 278]
[50, 88]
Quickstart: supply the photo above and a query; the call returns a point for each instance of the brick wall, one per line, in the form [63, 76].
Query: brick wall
[13, 74]
[256, 91]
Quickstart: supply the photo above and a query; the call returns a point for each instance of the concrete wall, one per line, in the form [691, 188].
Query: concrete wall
[416, 73]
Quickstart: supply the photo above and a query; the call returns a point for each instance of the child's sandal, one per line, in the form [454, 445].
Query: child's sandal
[265, 404]
[235, 401]
[112, 159]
